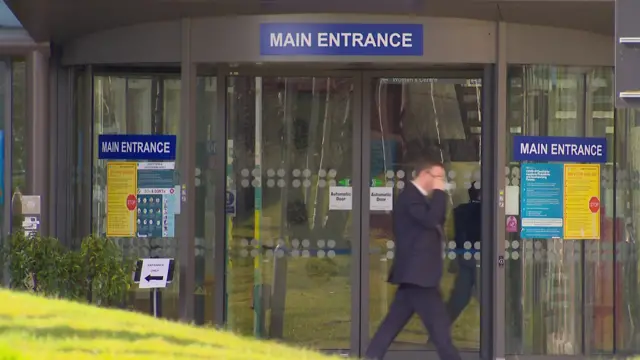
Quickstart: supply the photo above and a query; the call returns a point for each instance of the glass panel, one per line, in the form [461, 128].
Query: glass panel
[599, 265]
[289, 140]
[136, 105]
[19, 121]
[439, 118]
[559, 299]
[205, 198]
[627, 288]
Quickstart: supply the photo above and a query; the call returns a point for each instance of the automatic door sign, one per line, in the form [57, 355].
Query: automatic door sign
[381, 199]
[340, 197]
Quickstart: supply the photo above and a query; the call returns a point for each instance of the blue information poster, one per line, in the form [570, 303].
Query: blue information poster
[542, 201]
[157, 199]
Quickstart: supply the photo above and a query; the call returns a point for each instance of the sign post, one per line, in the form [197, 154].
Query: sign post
[31, 212]
[154, 274]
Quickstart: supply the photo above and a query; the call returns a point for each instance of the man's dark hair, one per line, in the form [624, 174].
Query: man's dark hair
[425, 164]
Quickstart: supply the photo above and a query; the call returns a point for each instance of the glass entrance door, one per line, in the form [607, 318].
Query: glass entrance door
[289, 233]
[308, 245]
[441, 119]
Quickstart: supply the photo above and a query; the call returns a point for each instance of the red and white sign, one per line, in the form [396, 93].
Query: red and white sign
[594, 204]
[132, 202]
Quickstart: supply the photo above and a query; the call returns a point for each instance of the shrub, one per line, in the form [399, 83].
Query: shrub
[109, 273]
[97, 272]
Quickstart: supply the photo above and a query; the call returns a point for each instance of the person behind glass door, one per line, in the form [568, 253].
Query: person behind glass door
[418, 219]
[467, 225]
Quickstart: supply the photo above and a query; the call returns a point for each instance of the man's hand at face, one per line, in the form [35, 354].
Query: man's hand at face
[438, 184]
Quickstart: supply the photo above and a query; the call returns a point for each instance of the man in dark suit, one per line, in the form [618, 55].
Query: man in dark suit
[418, 219]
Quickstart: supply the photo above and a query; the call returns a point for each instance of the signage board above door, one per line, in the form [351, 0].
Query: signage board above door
[137, 147]
[560, 149]
[340, 39]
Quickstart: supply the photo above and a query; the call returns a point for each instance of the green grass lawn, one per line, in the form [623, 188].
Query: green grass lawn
[36, 328]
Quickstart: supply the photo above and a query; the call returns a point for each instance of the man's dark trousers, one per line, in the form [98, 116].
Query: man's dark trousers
[427, 303]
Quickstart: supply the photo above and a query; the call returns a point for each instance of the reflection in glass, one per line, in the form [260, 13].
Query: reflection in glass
[627, 222]
[288, 141]
[135, 105]
[205, 222]
[559, 292]
[439, 118]
[19, 120]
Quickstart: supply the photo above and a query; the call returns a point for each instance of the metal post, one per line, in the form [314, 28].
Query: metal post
[222, 233]
[154, 293]
[186, 166]
[37, 130]
[499, 147]
[258, 323]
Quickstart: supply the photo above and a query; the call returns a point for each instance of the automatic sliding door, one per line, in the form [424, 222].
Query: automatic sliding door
[290, 143]
[440, 119]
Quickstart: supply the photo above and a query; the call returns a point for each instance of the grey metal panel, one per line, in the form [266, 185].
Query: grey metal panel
[38, 131]
[360, 218]
[627, 56]
[63, 153]
[63, 20]
[18, 42]
[186, 166]
[446, 40]
[220, 183]
[85, 127]
[56, 131]
[529, 44]
[499, 146]
[157, 42]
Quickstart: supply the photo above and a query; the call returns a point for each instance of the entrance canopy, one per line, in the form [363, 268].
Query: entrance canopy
[62, 20]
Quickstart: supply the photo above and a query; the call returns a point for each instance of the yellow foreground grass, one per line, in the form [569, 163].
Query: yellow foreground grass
[37, 328]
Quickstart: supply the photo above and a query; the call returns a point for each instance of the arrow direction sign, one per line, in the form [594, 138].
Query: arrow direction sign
[150, 278]
[154, 273]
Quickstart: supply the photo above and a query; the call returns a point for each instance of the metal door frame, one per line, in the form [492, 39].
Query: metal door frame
[360, 287]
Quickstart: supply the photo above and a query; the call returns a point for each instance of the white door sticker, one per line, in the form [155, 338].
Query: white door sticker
[381, 199]
[340, 197]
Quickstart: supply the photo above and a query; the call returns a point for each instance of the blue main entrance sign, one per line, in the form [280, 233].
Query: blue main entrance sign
[137, 147]
[560, 149]
[341, 39]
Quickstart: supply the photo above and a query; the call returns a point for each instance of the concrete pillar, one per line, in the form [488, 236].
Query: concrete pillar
[37, 131]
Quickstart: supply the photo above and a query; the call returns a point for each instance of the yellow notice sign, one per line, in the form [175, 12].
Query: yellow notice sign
[122, 185]
[581, 201]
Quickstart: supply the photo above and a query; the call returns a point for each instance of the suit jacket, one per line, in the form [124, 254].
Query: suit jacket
[417, 226]
[467, 223]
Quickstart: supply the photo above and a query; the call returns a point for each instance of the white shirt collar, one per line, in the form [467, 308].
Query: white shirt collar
[419, 188]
